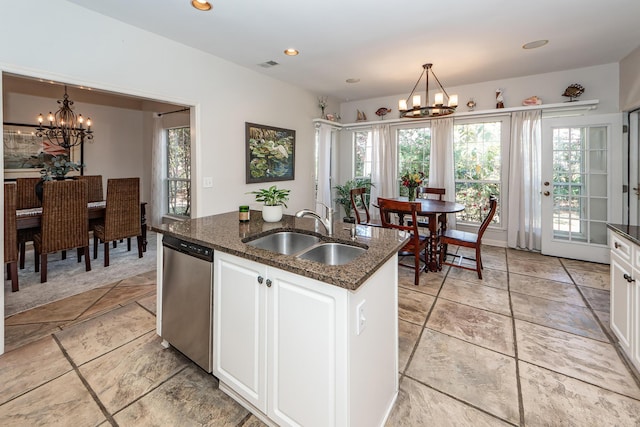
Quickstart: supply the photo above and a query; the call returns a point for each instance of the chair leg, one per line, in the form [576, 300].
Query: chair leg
[106, 254]
[115, 244]
[95, 246]
[79, 252]
[140, 246]
[43, 268]
[23, 246]
[64, 254]
[36, 260]
[416, 279]
[478, 262]
[87, 259]
[128, 244]
[13, 273]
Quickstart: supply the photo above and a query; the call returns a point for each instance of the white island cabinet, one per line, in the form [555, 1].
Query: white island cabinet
[625, 295]
[299, 352]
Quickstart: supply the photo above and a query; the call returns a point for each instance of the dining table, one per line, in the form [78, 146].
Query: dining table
[32, 217]
[436, 212]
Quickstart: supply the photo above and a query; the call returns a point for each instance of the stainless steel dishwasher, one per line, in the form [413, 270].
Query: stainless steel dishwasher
[187, 299]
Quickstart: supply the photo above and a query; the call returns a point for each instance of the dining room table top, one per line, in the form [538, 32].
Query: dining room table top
[431, 206]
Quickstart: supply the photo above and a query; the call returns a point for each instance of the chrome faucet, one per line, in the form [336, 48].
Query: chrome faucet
[327, 221]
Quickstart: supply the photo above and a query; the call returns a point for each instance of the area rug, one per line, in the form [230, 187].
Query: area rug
[68, 277]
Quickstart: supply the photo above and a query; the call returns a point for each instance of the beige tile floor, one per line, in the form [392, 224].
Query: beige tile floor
[528, 345]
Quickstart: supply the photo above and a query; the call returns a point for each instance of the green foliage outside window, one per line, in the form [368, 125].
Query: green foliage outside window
[414, 150]
[179, 171]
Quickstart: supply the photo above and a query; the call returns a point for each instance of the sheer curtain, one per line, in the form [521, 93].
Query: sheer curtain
[524, 181]
[323, 195]
[384, 165]
[158, 156]
[441, 167]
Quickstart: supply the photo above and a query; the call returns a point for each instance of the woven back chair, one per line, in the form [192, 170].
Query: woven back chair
[417, 244]
[94, 183]
[11, 235]
[358, 201]
[122, 216]
[65, 222]
[26, 199]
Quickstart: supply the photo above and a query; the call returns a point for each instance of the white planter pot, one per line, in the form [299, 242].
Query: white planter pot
[272, 213]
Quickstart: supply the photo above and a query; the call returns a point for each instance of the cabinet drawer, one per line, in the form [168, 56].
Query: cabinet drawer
[622, 247]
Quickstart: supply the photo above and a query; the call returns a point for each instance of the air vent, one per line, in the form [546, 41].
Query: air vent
[268, 64]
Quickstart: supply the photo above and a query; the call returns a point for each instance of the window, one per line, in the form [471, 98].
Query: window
[414, 150]
[179, 171]
[363, 153]
[477, 154]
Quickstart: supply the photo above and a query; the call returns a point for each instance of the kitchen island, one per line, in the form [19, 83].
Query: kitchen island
[299, 342]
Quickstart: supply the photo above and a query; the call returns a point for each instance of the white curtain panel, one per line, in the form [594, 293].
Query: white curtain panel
[441, 166]
[158, 156]
[384, 166]
[525, 214]
[324, 137]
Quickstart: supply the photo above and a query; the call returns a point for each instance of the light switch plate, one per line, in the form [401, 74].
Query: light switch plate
[207, 182]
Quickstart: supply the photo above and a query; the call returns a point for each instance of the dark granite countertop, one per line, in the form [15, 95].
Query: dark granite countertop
[225, 233]
[631, 232]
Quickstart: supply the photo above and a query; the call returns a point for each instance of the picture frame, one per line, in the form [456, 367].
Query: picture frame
[270, 153]
[25, 152]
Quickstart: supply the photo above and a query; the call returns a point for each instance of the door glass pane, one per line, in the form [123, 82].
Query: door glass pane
[579, 202]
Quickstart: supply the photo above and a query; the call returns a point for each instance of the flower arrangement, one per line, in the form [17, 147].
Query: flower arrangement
[412, 180]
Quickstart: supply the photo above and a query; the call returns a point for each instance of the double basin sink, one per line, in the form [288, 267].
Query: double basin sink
[309, 247]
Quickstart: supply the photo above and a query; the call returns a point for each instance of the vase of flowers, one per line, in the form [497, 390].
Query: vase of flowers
[412, 180]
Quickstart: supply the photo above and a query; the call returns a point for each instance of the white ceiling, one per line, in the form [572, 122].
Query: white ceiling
[385, 42]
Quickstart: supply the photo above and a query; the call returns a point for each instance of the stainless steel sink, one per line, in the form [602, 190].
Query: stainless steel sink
[332, 253]
[285, 242]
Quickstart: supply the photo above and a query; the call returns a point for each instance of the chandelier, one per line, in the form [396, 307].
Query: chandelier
[65, 129]
[437, 109]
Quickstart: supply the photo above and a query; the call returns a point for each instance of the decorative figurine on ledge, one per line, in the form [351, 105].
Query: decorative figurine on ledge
[471, 104]
[573, 91]
[361, 117]
[532, 100]
[499, 99]
[322, 103]
[382, 111]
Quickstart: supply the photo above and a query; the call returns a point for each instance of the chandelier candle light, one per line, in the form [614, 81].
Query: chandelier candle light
[437, 109]
[65, 129]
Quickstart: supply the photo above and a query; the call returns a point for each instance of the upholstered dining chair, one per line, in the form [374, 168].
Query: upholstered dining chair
[65, 222]
[94, 186]
[417, 244]
[26, 199]
[122, 216]
[11, 235]
[358, 202]
[467, 240]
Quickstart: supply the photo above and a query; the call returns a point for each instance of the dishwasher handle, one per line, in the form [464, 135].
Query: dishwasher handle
[188, 248]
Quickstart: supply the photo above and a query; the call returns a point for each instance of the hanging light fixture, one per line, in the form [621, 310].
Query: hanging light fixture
[65, 129]
[437, 109]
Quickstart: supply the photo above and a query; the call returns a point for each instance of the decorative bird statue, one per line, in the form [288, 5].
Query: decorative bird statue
[573, 91]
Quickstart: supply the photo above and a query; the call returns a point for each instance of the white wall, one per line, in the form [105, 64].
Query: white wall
[109, 55]
[630, 81]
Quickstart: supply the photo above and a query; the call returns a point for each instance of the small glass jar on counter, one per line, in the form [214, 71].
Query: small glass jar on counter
[243, 213]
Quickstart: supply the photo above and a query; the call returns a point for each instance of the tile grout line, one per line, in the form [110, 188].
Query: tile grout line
[93, 394]
[515, 344]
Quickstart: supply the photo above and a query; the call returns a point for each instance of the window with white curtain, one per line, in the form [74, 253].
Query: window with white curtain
[479, 149]
[414, 150]
[179, 171]
[363, 151]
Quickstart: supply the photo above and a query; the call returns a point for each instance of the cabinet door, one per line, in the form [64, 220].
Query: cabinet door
[239, 327]
[621, 302]
[306, 351]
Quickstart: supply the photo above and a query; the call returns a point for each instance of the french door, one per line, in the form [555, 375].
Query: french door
[581, 184]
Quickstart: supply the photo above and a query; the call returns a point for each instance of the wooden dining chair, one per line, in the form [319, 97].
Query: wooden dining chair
[26, 199]
[417, 244]
[94, 185]
[426, 193]
[358, 201]
[467, 240]
[122, 216]
[65, 222]
[11, 235]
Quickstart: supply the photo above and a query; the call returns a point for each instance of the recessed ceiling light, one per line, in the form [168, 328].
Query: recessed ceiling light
[291, 52]
[352, 80]
[201, 4]
[535, 44]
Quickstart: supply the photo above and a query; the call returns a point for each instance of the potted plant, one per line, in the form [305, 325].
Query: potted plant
[343, 195]
[274, 199]
[54, 168]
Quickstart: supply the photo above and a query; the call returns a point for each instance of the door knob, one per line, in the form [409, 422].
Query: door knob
[546, 193]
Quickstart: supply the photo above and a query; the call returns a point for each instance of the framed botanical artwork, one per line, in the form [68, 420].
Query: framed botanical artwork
[25, 152]
[270, 153]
